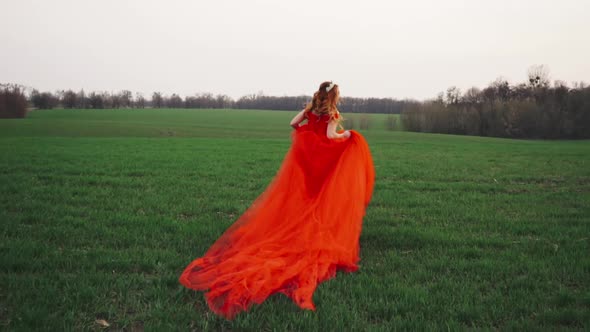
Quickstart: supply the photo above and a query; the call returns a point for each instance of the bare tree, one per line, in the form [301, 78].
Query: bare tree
[502, 88]
[453, 95]
[95, 100]
[13, 103]
[43, 100]
[157, 100]
[125, 98]
[69, 99]
[175, 101]
[538, 76]
[473, 96]
[82, 101]
[139, 100]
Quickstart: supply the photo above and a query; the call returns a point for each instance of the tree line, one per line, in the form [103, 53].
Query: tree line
[126, 99]
[535, 108]
[532, 109]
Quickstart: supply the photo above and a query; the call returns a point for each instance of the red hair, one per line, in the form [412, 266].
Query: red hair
[324, 102]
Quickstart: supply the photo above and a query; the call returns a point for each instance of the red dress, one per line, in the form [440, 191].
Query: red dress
[302, 229]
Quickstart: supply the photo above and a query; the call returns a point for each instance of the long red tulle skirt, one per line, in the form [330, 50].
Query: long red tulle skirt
[302, 229]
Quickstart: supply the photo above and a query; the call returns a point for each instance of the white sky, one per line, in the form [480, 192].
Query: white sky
[371, 48]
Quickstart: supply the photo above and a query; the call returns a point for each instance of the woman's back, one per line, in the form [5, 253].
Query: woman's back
[318, 123]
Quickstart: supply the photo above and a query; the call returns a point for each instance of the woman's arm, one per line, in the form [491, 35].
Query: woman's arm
[298, 119]
[331, 131]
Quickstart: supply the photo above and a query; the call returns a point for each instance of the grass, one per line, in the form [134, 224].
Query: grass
[101, 210]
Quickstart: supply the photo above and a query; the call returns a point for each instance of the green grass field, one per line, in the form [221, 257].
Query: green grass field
[101, 210]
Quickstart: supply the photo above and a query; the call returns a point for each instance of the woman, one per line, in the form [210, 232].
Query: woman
[303, 228]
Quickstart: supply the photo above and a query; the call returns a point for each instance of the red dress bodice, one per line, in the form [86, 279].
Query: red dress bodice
[316, 123]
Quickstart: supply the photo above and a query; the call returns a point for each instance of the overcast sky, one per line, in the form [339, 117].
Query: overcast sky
[371, 48]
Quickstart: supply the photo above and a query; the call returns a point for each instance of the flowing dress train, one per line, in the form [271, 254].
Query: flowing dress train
[302, 229]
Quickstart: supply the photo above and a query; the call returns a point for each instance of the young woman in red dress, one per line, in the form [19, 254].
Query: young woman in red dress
[305, 225]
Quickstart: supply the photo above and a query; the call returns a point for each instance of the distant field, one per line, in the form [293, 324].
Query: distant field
[100, 211]
[166, 122]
